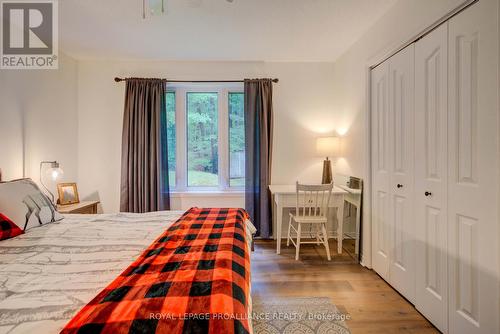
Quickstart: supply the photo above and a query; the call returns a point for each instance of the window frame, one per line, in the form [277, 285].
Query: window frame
[166, 136]
[181, 165]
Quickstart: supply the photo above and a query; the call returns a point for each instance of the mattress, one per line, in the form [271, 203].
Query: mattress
[49, 273]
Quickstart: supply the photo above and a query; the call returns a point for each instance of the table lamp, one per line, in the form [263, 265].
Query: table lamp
[54, 172]
[327, 147]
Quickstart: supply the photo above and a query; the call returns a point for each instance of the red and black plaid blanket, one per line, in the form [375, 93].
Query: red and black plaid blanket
[193, 279]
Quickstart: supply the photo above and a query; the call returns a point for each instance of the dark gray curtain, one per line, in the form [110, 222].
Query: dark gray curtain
[258, 145]
[144, 178]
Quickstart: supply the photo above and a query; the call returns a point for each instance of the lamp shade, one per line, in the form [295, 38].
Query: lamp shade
[328, 146]
[54, 171]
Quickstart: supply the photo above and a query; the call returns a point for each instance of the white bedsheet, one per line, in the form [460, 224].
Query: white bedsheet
[49, 273]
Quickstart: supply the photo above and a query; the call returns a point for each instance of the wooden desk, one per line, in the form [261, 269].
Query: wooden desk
[284, 196]
[354, 197]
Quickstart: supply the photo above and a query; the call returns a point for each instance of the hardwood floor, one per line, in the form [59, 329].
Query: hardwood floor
[373, 306]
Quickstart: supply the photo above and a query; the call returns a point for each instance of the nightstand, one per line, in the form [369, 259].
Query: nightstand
[89, 207]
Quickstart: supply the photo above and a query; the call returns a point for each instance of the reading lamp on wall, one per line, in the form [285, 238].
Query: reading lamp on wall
[55, 172]
[327, 147]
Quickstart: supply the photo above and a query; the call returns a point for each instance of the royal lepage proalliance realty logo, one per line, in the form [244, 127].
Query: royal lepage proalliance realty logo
[29, 35]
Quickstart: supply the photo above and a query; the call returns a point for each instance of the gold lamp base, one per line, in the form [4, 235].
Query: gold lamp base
[327, 172]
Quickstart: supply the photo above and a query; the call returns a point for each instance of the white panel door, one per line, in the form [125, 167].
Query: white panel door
[401, 148]
[380, 169]
[431, 63]
[473, 172]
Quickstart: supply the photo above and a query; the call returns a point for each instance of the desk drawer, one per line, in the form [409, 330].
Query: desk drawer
[290, 200]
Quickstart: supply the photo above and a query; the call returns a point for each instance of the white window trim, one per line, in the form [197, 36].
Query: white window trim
[181, 180]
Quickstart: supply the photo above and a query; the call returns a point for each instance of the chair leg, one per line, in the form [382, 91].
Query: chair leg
[299, 231]
[317, 234]
[325, 238]
[288, 235]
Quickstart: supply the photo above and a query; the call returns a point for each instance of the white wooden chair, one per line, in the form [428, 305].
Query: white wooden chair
[311, 209]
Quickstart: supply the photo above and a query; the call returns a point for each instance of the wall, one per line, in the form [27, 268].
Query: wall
[11, 128]
[38, 120]
[302, 105]
[398, 25]
[402, 22]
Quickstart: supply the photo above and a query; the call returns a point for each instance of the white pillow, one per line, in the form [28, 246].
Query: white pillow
[24, 203]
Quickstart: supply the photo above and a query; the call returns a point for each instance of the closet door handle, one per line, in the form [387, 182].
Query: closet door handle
[428, 193]
[399, 185]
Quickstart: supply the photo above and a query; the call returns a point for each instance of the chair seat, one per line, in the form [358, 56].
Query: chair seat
[309, 219]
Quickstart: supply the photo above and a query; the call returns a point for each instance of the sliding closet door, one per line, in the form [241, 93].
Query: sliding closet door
[401, 147]
[431, 55]
[380, 169]
[473, 172]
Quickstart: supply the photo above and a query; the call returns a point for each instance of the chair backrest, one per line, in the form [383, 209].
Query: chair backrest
[313, 199]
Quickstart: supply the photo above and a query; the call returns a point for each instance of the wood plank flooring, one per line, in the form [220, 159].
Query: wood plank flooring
[373, 306]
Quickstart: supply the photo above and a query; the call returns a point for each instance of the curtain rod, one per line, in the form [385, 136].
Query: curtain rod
[275, 80]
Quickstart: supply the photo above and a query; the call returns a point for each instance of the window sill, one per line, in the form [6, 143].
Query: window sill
[207, 193]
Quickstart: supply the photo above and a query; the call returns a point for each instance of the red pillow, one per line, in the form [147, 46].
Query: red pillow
[8, 229]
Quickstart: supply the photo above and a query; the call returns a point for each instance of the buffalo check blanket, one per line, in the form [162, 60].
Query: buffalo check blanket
[195, 278]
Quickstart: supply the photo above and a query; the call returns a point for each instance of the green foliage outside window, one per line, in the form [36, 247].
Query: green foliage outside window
[171, 138]
[202, 137]
[236, 139]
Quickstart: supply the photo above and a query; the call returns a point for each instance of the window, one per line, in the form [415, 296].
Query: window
[170, 108]
[202, 139]
[206, 137]
[236, 140]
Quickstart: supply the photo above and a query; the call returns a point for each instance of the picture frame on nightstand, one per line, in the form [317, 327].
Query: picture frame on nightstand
[68, 193]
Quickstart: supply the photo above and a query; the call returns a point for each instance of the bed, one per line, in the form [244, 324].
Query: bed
[51, 272]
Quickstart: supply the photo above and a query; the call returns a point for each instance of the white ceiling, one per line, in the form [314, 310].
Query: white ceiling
[245, 30]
